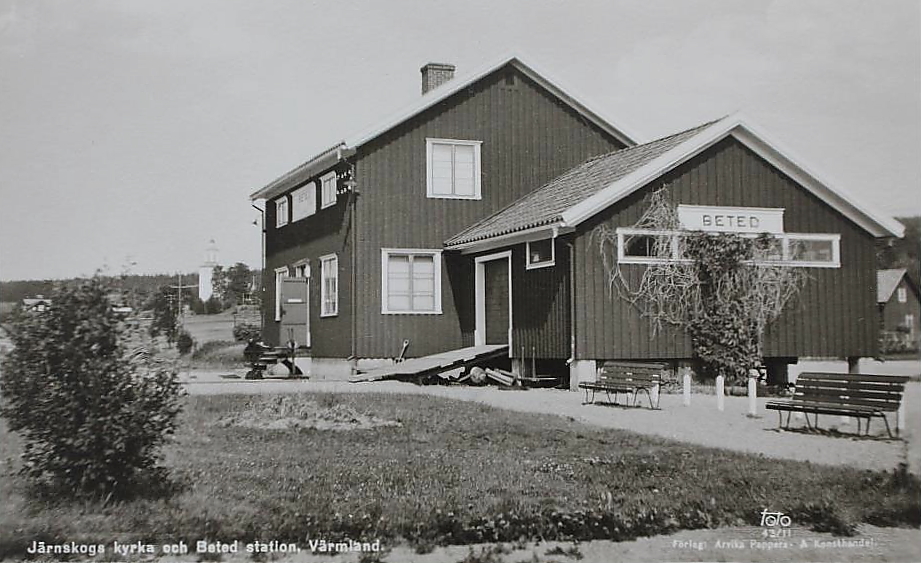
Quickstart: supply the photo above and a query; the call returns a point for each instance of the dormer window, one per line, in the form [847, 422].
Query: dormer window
[452, 169]
[281, 211]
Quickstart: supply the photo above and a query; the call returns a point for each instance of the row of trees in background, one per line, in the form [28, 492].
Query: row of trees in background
[903, 252]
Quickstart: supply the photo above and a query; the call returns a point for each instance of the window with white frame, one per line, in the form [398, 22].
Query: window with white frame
[453, 169]
[328, 189]
[410, 281]
[903, 295]
[303, 202]
[329, 285]
[280, 274]
[649, 246]
[281, 211]
[540, 253]
[910, 323]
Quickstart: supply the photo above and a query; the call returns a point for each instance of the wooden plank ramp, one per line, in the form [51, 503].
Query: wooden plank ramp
[436, 363]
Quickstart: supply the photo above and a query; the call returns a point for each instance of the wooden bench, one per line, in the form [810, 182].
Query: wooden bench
[626, 377]
[855, 395]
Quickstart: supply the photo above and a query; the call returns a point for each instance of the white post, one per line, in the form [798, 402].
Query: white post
[686, 381]
[900, 416]
[752, 396]
[720, 392]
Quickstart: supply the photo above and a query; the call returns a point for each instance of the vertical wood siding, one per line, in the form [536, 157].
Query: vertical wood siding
[325, 232]
[835, 314]
[541, 306]
[528, 137]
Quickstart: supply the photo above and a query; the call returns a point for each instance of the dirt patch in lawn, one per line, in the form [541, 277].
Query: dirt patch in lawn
[283, 412]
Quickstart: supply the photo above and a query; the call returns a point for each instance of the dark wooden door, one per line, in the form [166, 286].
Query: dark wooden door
[496, 301]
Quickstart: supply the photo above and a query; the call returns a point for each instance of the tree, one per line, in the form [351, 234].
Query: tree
[232, 284]
[165, 314]
[92, 409]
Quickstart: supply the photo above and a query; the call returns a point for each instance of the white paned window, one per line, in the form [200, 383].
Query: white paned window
[303, 202]
[910, 323]
[903, 295]
[648, 246]
[280, 274]
[452, 169]
[328, 190]
[281, 211]
[329, 285]
[410, 281]
[540, 253]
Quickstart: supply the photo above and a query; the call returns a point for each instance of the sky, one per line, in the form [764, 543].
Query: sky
[132, 132]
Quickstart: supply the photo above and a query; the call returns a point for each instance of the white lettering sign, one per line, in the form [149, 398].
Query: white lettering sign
[731, 219]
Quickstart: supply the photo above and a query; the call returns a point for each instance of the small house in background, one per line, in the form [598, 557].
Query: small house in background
[39, 303]
[899, 311]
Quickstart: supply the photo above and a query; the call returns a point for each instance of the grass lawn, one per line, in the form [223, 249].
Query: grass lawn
[454, 472]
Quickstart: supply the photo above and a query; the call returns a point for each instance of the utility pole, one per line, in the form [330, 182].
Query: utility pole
[179, 287]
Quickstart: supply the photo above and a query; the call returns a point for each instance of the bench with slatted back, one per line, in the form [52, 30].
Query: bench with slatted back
[625, 377]
[856, 395]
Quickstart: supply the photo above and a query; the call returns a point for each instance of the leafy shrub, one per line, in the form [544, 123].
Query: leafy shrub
[92, 409]
[244, 332]
[185, 342]
[213, 306]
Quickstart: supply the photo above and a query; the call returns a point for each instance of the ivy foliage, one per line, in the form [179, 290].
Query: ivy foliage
[92, 406]
[722, 288]
[725, 336]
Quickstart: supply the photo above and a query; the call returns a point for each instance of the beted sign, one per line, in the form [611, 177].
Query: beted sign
[731, 219]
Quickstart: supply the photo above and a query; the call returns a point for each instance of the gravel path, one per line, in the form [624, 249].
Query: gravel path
[700, 423]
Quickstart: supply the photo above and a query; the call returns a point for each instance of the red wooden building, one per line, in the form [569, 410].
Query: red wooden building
[468, 219]
[899, 309]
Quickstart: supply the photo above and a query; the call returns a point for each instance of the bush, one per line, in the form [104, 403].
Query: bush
[245, 332]
[185, 342]
[213, 306]
[92, 410]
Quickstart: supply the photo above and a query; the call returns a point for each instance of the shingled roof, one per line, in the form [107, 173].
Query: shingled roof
[545, 205]
[596, 184]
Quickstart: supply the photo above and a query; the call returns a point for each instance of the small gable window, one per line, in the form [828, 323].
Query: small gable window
[452, 169]
[541, 254]
[328, 189]
[903, 295]
[281, 211]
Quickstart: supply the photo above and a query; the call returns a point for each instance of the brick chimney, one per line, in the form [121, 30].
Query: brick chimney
[435, 74]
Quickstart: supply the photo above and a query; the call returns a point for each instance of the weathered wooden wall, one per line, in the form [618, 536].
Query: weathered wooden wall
[528, 136]
[834, 315]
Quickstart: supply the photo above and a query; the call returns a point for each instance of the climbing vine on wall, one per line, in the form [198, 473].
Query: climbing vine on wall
[723, 289]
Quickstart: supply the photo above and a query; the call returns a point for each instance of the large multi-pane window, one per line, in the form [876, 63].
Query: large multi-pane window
[280, 274]
[410, 281]
[648, 246]
[329, 285]
[452, 169]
